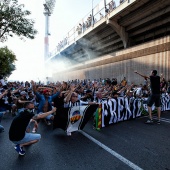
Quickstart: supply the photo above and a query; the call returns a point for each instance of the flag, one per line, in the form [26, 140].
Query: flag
[98, 118]
[74, 118]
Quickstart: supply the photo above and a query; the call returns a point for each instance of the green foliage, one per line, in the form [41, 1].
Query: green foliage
[14, 21]
[7, 62]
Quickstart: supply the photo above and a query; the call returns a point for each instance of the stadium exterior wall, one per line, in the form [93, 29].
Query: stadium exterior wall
[143, 58]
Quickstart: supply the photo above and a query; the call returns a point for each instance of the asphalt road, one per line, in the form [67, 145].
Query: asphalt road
[122, 146]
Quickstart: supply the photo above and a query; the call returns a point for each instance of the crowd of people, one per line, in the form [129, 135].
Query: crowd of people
[110, 7]
[83, 26]
[62, 44]
[20, 98]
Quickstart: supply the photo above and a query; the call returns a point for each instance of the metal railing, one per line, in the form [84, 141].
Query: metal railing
[100, 11]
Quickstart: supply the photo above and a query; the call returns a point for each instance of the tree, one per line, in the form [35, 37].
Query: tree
[7, 62]
[14, 21]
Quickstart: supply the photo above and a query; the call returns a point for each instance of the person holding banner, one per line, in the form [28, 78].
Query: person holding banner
[72, 100]
[154, 97]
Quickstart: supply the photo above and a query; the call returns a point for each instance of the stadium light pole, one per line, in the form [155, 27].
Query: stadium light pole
[48, 9]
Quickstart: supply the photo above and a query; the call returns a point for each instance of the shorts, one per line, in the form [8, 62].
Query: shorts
[47, 117]
[28, 138]
[154, 99]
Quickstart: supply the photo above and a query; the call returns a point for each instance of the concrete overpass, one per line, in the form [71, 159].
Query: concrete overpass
[130, 24]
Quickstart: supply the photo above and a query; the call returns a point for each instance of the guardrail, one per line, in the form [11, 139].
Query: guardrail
[100, 11]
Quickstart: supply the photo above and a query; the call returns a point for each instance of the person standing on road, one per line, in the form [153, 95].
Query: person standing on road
[20, 127]
[154, 97]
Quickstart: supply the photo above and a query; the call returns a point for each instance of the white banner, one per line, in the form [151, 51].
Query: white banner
[75, 117]
[120, 109]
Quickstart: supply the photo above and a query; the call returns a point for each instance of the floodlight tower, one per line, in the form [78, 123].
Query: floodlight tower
[48, 9]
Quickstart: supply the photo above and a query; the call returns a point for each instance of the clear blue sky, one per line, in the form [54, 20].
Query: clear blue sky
[30, 53]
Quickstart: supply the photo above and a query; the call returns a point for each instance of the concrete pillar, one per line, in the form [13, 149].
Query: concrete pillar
[120, 31]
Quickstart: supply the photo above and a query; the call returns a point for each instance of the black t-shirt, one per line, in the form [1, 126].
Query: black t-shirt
[155, 84]
[2, 102]
[59, 101]
[21, 105]
[88, 99]
[10, 100]
[19, 125]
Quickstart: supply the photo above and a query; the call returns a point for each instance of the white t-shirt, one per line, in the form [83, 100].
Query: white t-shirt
[138, 91]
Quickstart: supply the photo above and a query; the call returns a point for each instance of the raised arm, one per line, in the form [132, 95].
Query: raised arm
[15, 91]
[4, 93]
[22, 101]
[68, 97]
[123, 89]
[144, 76]
[161, 76]
[43, 115]
[34, 86]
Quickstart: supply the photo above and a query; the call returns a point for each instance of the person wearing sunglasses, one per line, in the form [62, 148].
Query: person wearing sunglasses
[72, 100]
[19, 131]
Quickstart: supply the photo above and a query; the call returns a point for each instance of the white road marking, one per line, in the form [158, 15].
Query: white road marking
[155, 118]
[162, 119]
[118, 156]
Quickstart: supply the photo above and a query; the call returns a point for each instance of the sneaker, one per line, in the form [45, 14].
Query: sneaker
[68, 133]
[47, 122]
[19, 149]
[34, 130]
[149, 121]
[158, 122]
